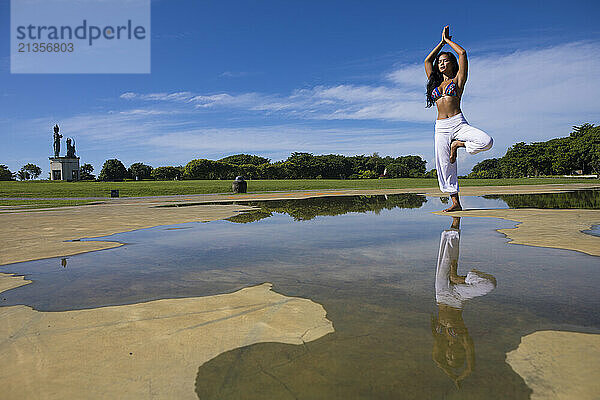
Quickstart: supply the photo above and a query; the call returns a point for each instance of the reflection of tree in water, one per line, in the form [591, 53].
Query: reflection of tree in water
[249, 217]
[307, 209]
[577, 199]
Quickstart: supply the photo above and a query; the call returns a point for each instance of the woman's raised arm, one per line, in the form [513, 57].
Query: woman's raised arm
[429, 59]
[463, 64]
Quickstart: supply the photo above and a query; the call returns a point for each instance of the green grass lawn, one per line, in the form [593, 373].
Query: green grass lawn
[58, 189]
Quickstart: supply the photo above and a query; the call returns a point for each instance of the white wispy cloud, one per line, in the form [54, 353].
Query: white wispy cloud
[523, 86]
[523, 95]
[128, 96]
[144, 111]
[183, 140]
[280, 140]
[161, 138]
[233, 74]
[176, 96]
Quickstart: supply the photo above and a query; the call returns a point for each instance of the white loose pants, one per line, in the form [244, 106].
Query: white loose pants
[455, 294]
[447, 130]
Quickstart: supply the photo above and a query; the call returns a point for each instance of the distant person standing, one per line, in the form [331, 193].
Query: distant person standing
[447, 79]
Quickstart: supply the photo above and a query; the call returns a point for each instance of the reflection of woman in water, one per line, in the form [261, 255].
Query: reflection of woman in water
[453, 349]
[447, 79]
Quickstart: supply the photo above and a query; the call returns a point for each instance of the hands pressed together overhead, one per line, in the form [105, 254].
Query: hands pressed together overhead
[446, 34]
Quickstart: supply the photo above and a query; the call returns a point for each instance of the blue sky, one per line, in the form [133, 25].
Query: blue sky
[343, 77]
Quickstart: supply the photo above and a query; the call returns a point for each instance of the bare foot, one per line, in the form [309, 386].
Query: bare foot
[454, 149]
[455, 223]
[456, 279]
[453, 207]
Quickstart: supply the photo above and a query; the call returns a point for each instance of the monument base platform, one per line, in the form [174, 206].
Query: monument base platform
[64, 168]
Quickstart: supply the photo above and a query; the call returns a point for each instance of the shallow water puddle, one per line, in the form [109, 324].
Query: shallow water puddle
[422, 306]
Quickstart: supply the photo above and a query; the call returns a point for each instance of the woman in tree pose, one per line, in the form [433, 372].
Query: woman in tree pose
[445, 87]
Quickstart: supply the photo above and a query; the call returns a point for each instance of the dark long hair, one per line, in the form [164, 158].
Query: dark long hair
[436, 77]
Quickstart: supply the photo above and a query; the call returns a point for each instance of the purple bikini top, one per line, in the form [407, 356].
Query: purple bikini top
[449, 91]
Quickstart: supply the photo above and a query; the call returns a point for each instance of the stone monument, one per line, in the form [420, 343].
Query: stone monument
[70, 148]
[57, 137]
[64, 168]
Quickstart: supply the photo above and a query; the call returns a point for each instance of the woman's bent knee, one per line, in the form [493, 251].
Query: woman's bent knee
[482, 144]
[488, 145]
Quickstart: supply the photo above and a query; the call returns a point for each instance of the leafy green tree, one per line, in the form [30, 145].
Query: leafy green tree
[29, 171]
[209, 169]
[248, 171]
[198, 169]
[301, 166]
[414, 166]
[489, 168]
[359, 163]
[23, 175]
[375, 163]
[368, 174]
[113, 170]
[560, 156]
[139, 171]
[432, 173]
[85, 172]
[586, 148]
[245, 159]
[5, 174]
[33, 169]
[581, 130]
[396, 170]
[516, 163]
[167, 173]
[272, 171]
[333, 166]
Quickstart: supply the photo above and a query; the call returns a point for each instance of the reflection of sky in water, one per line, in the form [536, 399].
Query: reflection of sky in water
[373, 272]
[594, 230]
[395, 248]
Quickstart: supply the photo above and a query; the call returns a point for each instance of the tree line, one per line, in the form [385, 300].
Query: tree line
[296, 166]
[578, 153]
[27, 171]
[32, 171]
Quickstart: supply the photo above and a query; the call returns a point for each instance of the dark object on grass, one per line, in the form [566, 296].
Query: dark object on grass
[239, 185]
[114, 193]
